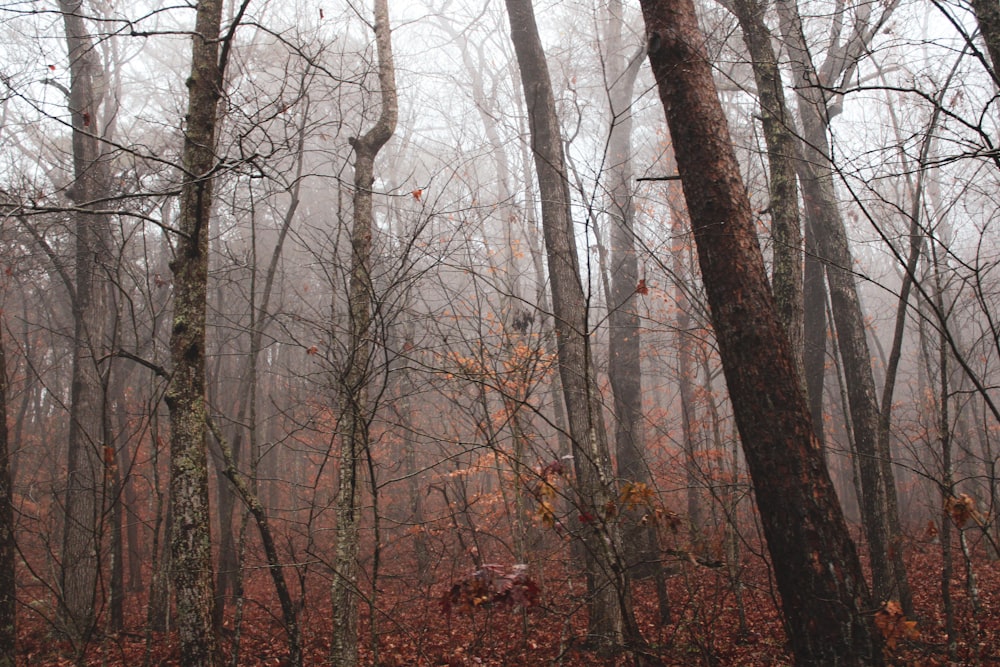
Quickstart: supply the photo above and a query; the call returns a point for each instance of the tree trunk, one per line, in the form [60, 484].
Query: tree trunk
[611, 620]
[87, 438]
[988, 18]
[786, 230]
[816, 566]
[355, 409]
[624, 363]
[880, 513]
[8, 547]
[190, 539]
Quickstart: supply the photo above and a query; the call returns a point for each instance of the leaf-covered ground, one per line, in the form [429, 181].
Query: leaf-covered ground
[713, 622]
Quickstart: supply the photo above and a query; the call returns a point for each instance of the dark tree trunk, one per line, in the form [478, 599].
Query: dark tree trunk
[988, 18]
[611, 620]
[190, 539]
[825, 601]
[8, 547]
[814, 332]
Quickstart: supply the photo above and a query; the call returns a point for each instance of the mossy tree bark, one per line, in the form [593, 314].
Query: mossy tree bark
[190, 538]
[879, 504]
[611, 620]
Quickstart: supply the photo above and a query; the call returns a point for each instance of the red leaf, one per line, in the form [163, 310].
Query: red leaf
[641, 287]
[312, 350]
[417, 193]
[52, 68]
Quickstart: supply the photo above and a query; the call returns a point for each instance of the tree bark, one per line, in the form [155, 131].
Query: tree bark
[824, 597]
[355, 406]
[611, 619]
[190, 539]
[88, 437]
[786, 230]
[879, 508]
[640, 537]
[8, 547]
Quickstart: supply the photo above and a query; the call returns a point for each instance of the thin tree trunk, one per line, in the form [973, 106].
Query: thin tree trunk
[8, 546]
[611, 619]
[190, 539]
[355, 408]
[825, 601]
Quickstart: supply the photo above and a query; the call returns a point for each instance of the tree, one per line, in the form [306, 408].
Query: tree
[88, 436]
[8, 545]
[825, 601]
[355, 408]
[624, 362]
[879, 506]
[782, 149]
[611, 619]
[190, 540]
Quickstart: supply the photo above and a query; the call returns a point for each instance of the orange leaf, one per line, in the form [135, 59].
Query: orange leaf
[312, 350]
[417, 193]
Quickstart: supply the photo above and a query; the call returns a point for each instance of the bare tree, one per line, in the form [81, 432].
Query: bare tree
[782, 149]
[816, 566]
[356, 411]
[611, 620]
[88, 433]
[190, 540]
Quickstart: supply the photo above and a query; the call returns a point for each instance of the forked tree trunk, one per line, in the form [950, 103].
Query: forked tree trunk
[825, 601]
[879, 507]
[611, 620]
[355, 410]
[87, 436]
[190, 539]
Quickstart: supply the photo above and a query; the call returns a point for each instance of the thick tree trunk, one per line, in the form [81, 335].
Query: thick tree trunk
[87, 436]
[190, 539]
[8, 547]
[611, 621]
[816, 566]
[879, 509]
[355, 409]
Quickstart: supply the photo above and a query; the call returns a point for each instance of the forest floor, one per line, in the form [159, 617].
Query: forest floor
[707, 627]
